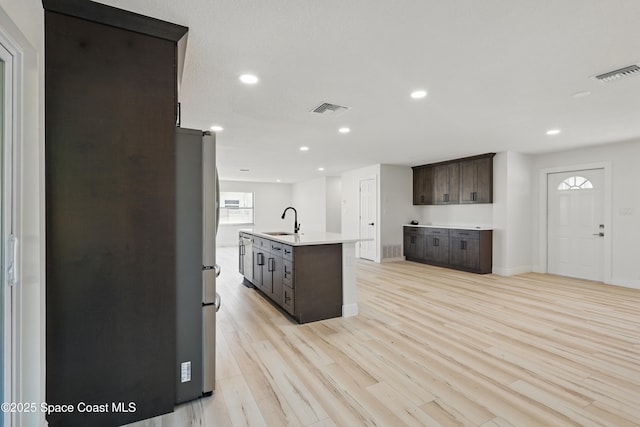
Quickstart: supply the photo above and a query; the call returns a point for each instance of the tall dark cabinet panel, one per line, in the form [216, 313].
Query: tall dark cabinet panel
[110, 100]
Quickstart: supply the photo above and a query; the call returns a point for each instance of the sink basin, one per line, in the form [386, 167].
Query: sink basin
[278, 233]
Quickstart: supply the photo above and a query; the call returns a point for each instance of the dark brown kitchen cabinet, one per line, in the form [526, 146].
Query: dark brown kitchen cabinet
[437, 246]
[110, 194]
[476, 180]
[460, 181]
[468, 250]
[446, 184]
[305, 281]
[471, 250]
[423, 185]
[414, 243]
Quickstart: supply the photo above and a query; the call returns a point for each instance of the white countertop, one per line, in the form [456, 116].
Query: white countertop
[306, 238]
[453, 227]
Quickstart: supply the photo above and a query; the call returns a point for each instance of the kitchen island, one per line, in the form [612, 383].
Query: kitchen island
[310, 275]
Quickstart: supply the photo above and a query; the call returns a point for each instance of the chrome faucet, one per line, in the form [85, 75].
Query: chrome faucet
[296, 226]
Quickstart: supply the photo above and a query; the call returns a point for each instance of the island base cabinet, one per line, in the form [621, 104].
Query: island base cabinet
[305, 281]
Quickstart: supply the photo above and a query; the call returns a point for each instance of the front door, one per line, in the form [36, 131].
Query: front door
[368, 222]
[576, 226]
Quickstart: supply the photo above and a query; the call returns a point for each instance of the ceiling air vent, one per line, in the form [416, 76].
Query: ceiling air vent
[619, 74]
[326, 107]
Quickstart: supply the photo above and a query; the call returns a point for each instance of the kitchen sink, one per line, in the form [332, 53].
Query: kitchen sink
[278, 233]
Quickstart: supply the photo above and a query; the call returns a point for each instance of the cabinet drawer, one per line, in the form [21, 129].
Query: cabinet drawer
[259, 242]
[469, 234]
[287, 273]
[287, 252]
[414, 230]
[437, 232]
[274, 247]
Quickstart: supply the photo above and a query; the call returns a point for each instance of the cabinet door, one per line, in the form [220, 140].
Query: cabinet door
[276, 278]
[484, 180]
[446, 185]
[423, 186]
[465, 253]
[414, 246]
[437, 248]
[259, 260]
[288, 300]
[476, 181]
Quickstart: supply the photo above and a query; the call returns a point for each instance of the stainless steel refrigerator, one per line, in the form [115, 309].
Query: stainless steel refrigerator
[197, 300]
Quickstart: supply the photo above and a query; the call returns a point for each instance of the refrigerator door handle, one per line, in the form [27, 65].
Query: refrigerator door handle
[218, 302]
[218, 270]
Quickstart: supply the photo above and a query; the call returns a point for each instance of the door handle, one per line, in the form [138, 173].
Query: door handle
[218, 270]
[601, 234]
[371, 223]
[218, 302]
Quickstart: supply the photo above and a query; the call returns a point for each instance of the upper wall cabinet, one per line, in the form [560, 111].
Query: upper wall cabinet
[476, 180]
[461, 181]
[423, 185]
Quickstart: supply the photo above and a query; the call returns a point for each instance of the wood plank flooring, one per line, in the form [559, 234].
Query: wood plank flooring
[430, 347]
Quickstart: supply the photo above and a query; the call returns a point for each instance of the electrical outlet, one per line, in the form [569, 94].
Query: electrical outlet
[185, 372]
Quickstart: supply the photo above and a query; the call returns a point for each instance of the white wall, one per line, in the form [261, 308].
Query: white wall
[22, 21]
[270, 200]
[310, 200]
[396, 208]
[624, 227]
[318, 203]
[512, 214]
[334, 204]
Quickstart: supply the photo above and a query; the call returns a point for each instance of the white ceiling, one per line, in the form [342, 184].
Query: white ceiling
[499, 74]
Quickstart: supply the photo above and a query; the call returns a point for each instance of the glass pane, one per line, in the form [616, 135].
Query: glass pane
[575, 183]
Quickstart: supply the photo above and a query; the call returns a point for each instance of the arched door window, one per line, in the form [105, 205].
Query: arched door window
[575, 183]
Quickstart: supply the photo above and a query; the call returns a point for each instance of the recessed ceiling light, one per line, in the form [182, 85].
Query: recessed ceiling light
[553, 131]
[320, 169]
[581, 94]
[249, 79]
[217, 128]
[277, 180]
[344, 130]
[418, 94]
[304, 148]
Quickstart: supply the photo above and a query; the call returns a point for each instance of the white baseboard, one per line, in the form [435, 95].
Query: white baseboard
[350, 310]
[400, 258]
[511, 271]
[625, 283]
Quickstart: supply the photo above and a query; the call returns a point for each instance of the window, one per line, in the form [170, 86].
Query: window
[236, 208]
[575, 183]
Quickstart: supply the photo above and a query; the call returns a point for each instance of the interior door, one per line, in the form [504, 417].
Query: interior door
[576, 226]
[368, 220]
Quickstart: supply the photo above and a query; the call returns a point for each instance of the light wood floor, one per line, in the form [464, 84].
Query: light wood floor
[430, 347]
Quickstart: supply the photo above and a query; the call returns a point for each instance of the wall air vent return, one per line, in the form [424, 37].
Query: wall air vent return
[326, 107]
[618, 74]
